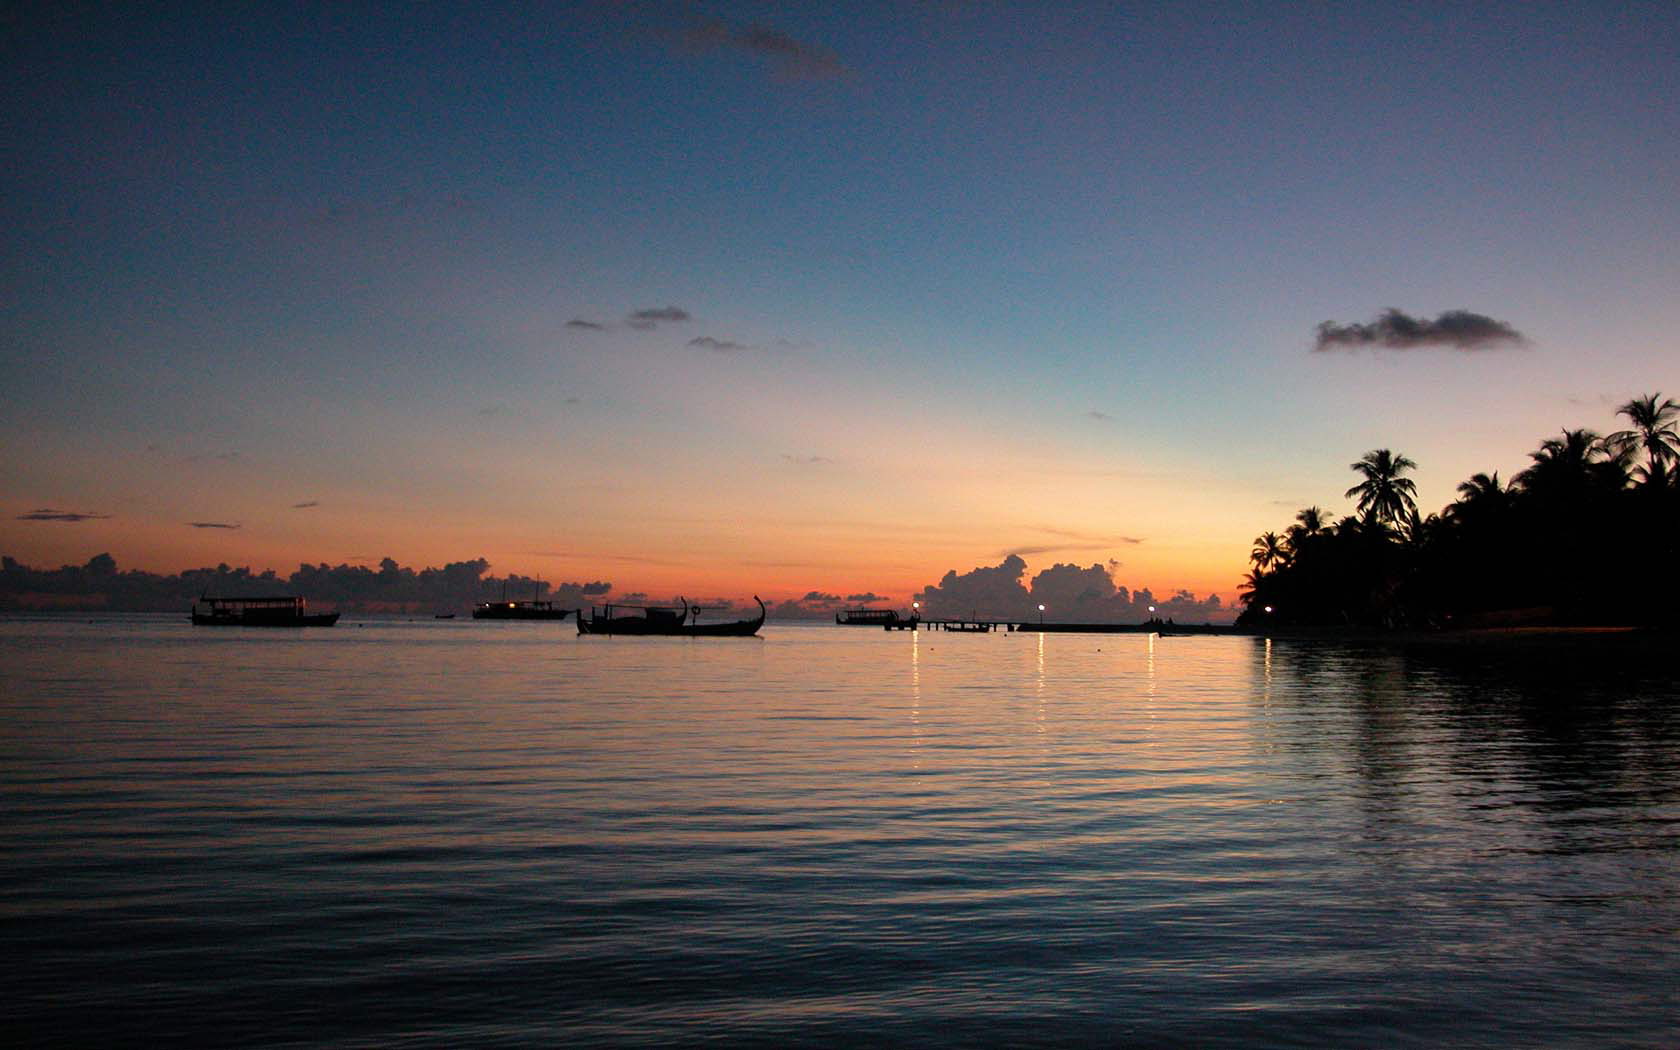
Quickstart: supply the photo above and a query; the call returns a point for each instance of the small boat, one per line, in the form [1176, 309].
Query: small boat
[868, 618]
[519, 610]
[665, 621]
[443, 616]
[277, 611]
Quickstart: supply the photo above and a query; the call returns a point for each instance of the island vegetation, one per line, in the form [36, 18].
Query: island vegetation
[1588, 534]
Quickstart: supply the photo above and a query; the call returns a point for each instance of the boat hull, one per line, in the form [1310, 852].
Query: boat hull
[668, 626]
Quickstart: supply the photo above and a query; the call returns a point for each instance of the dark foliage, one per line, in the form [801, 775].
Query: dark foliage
[1588, 534]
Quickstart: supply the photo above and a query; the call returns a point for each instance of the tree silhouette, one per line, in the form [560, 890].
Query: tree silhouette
[1268, 551]
[1384, 496]
[1655, 432]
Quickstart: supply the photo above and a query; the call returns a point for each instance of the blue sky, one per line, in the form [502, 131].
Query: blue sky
[990, 273]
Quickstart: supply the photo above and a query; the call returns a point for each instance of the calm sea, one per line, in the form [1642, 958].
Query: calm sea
[459, 834]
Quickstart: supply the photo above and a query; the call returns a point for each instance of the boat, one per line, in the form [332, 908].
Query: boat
[273, 611]
[868, 618]
[519, 610]
[665, 621]
[532, 609]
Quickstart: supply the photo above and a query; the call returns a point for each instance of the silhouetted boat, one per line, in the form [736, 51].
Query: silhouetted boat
[531, 610]
[278, 611]
[869, 618]
[665, 621]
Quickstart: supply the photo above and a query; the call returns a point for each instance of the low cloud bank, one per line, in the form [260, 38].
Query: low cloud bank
[391, 588]
[1070, 594]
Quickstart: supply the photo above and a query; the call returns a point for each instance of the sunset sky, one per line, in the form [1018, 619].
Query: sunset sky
[738, 297]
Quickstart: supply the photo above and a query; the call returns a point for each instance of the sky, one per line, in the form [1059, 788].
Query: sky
[753, 298]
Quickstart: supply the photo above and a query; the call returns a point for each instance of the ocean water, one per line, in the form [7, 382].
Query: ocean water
[449, 833]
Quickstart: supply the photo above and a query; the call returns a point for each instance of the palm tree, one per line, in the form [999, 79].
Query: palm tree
[1569, 466]
[1312, 521]
[1385, 496]
[1480, 497]
[1268, 551]
[1654, 432]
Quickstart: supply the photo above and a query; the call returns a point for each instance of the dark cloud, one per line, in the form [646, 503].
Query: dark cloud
[590, 326]
[213, 525]
[722, 346]
[48, 514]
[867, 596]
[790, 59]
[1069, 593]
[654, 316]
[1395, 330]
[806, 461]
[306, 504]
[819, 596]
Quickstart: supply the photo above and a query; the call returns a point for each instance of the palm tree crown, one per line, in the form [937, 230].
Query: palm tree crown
[1655, 431]
[1268, 551]
[1385, 496]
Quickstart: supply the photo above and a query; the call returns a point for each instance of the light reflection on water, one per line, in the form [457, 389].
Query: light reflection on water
[449, 833]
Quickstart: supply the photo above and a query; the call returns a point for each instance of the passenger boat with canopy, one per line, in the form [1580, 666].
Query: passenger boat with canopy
[272, 611]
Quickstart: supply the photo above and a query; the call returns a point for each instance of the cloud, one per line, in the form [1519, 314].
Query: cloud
[213, 525]
[722, 346]
[1102, 417]
[1078, 541]
[1395, 330]
[48, 514]
[588, 326]
[790, 59]
[654, 316]
[1070, 593]
[867, 596]
[815, 605]
[806, 461]
[306, 504]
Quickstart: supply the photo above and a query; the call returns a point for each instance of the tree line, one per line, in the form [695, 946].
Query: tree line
[1587, 534]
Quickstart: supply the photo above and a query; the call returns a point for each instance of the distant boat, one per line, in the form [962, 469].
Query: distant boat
[869, 618]
[665, 621]
[278, 611]
[443, 616]
[530, 610]
[519, 610]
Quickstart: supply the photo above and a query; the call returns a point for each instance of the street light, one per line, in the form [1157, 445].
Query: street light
[1041, 615]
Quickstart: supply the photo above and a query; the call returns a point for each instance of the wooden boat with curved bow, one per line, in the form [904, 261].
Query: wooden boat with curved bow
[667, 621]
